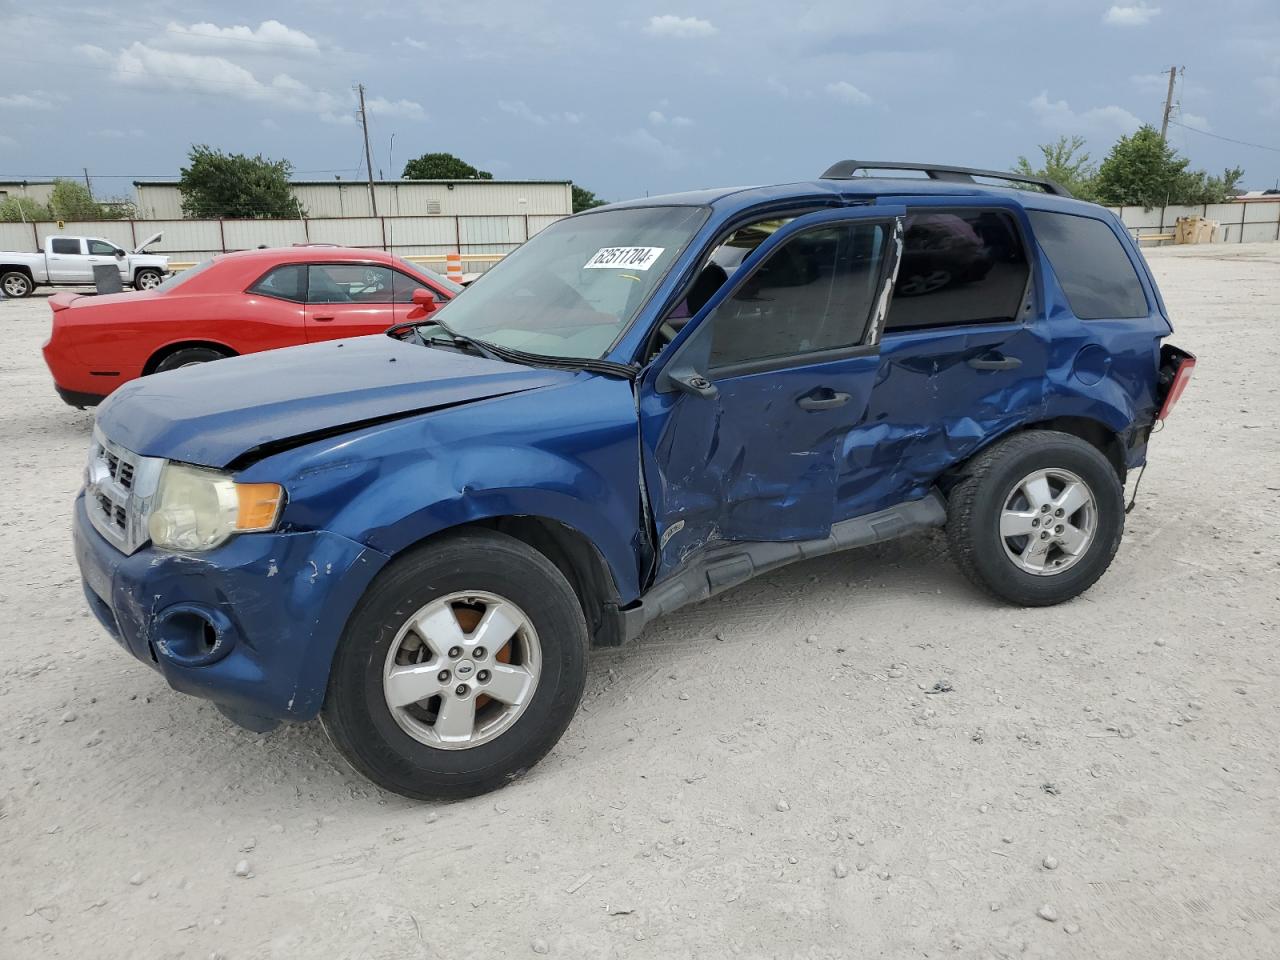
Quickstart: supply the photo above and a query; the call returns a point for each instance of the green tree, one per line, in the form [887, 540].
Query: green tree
[584, 199]
[19, 209]
[1065, 162]
[217, 184]
[1143, 170]
[70, 200]
[442, 166]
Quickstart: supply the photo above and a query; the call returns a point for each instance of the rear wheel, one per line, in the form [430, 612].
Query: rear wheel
[16, 284]
[1037, 518]
[147, 279]
[461, 667]
[189, 357]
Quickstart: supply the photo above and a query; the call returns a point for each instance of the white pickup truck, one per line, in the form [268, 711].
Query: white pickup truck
[70, 261]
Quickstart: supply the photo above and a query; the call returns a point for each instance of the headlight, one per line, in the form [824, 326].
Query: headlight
[196, 509]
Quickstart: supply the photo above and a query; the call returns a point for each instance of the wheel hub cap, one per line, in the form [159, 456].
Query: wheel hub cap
[462, 670]
[1048, 522]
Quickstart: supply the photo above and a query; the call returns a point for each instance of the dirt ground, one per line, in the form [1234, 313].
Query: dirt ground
[762, 775]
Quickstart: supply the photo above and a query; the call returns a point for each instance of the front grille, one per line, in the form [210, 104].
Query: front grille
[119, 486]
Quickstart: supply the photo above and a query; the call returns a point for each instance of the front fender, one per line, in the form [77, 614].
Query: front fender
[567, 454]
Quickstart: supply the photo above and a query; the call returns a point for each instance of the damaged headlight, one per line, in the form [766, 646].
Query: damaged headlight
[198, 509]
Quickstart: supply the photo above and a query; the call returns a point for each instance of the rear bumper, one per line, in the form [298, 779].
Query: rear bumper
[77, 398]
[251, 626]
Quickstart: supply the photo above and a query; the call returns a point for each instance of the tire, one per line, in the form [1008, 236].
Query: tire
[1000, 496]
[398, 748]
[147, 279]
[189, 356]
[16, 284]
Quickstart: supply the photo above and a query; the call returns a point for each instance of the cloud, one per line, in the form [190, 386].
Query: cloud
[518, 108]
[659, 119]
[416, 44]
[271, 37]
[1157, 83]
[1058, 116]
[114, 133]
[1194, 121]
[1270, 87]
[682, 28]
[644, 142]
[23, 101]
[1137, 15]
[7, 141]
[846, 91]
[382, 107]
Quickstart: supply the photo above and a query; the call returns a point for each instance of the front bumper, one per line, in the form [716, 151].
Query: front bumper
[251, 626]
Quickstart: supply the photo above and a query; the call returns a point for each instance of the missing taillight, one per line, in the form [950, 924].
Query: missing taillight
[1176, 368]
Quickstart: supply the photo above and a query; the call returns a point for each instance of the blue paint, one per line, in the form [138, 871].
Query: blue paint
[400, 442]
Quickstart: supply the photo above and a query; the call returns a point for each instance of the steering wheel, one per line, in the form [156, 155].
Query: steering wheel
[372, 280]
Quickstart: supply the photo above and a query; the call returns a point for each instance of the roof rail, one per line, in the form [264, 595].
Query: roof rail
[846, 170]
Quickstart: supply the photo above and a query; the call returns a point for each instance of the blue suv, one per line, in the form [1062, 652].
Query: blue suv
[417, 537]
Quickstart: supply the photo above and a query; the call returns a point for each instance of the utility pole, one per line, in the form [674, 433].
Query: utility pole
[368, 154]
[87, 185]
[1168, 103]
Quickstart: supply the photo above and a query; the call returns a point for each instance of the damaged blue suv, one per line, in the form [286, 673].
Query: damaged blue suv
[417, 537]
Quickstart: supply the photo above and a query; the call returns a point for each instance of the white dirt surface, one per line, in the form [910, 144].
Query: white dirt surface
[915, 825]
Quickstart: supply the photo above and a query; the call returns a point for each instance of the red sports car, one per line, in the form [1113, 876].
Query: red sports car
[235, 303]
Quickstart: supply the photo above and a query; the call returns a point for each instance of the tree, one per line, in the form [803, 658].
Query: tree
[442, 166]
[1064, 162]
[1142, 169]
[70, 200]
[19, 209]
[584, 199]
[217, 184]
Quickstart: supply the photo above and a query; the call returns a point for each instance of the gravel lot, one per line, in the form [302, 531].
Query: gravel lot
[762, 775]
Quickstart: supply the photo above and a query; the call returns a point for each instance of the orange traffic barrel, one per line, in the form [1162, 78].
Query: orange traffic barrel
[453, 264]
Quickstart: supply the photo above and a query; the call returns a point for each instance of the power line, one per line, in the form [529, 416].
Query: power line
[1206, 133]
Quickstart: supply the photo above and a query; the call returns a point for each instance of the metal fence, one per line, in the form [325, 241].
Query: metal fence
[1240, 222]
[482, 240]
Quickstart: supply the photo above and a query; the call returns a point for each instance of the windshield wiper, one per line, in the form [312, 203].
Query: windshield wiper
[495, 352]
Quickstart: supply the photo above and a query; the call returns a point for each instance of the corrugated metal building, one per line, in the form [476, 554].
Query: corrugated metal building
[38, 190]
[160, 200]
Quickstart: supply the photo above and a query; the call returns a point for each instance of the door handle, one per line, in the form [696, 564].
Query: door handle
[824, 400]
[995, 361]
[324, 319]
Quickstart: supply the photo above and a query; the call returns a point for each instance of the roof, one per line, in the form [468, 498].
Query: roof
[27, 183]
[854, 189]
[378, 183]
[308, 252]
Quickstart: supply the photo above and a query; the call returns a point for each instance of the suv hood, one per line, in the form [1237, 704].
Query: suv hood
[215, 413]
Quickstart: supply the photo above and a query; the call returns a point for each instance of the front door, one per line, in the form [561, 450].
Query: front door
[744, 423]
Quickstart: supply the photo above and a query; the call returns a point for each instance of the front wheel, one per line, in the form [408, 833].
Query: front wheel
[1037, 518]
[460, 668]
[16, 284]
[147, 279]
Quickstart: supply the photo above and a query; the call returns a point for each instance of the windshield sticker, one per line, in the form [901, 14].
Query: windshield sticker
[629, 258]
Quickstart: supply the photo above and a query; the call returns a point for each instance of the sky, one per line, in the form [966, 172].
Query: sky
[632, 99]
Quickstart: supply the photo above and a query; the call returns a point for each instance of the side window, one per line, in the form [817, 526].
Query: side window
[284, 283]
[403, 285]
[958, 267]
[65, 246]
[348, 283]
[1092, 267]
[100, 248]
[813, 293]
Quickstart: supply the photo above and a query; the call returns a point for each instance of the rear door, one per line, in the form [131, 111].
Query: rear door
[962, 357]
[348, 300]
[744, 425]
[67, 261]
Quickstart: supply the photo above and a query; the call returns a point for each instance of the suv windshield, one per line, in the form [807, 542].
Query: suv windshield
[575, 286]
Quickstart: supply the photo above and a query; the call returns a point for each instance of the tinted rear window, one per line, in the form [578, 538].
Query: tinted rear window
[1091, 265]
[288, 282]
[65, 245]
[958, 267]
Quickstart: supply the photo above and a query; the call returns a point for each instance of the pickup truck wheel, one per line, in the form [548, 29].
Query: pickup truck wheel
[147, 279]
[1037, 518]
[189, 357]
[459, 669]
[16, 284]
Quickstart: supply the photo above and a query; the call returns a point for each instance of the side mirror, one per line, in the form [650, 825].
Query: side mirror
[424, 304]
[690, 381]
[119, 254]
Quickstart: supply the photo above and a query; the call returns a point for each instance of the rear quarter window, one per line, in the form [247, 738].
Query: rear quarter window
[1092, 266]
